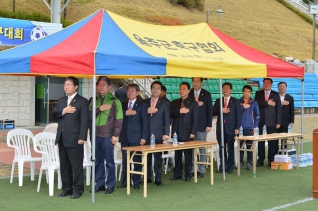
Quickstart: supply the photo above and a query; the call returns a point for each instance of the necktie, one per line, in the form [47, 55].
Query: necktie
[266, 96]
[130, 105]
[182, 104]
[69, 100]
[225, 106]
[225, 102]
[196, 97]
[153, 103]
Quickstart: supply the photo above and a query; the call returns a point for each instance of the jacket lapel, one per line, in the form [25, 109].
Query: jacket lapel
[74, 100]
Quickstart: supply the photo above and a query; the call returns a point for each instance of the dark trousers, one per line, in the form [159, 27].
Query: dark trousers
[177, 171]
[157, 165]
[228, 151]
[137, 167]
[247, 132]
[71, 166]
[105, 151]
[282, 129]
[272, 147]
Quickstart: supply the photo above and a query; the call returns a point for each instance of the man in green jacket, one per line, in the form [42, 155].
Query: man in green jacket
[109, 120]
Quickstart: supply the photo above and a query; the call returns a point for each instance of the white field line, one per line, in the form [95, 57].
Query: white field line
[290, 204]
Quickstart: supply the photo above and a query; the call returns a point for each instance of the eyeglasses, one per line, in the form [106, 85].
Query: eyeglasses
[68, 85]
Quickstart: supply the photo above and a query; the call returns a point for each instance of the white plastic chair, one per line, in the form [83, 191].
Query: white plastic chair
[20, 139]
[51, 128]
[87, 163]
[44, 143]
[168, 156]
[118, 161]
[211, 136]
[215, 154]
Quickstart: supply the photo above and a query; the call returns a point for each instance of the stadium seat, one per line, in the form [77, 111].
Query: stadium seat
[174, 88]
[179, 80]
[173, 81]
[175, 96]
[168, 87]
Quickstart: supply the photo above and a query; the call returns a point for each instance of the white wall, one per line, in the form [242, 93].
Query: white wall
[17, 99]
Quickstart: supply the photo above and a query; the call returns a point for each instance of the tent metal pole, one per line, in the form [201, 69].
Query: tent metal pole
[222, 128]
[93, 137]
[302, 115]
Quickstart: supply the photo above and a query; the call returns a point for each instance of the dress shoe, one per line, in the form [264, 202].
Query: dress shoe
[75, 195]
[122, 186]
[136, 187]
[65, 193]
[148, 181]
[200, 175]
[158, 183]
[230, 171]
[97, 189]
[175, 178]
[187, 179]
[109, 190]
[259, 164]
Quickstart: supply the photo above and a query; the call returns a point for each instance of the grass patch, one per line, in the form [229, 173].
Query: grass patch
[169, 21]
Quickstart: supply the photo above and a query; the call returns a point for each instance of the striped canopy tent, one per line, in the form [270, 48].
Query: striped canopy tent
[107, 44]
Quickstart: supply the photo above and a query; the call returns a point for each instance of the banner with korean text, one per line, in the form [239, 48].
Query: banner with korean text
[15, 32]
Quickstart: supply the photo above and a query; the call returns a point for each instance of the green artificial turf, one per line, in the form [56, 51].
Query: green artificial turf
[271, 188]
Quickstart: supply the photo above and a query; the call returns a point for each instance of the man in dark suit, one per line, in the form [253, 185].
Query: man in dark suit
[288, 111]
[159, 117]
[203, 97]
[135, 130]
[121, 93]
[72, 114]
[185, 114]
[270, 115]
[231, 123]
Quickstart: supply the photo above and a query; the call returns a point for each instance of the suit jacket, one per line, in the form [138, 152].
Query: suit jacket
[205, 111]
[184, 124]
[270, 115]
[232, 119]
[160, 121]
[135, 127]
[121, 94]
[72, 127]
[288, 112]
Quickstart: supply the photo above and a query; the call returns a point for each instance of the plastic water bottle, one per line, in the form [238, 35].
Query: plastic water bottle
[152, 141]
[264, 130]
[289, 129]
[241, 132]
[256, 134]
[175, 139]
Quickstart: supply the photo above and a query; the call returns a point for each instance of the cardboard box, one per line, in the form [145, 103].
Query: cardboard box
[282, 158]
[282, 166]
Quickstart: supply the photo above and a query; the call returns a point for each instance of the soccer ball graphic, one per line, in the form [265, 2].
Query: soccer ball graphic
[37, 33]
